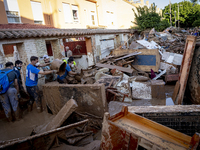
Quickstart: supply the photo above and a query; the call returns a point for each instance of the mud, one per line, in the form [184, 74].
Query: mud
[23, 127]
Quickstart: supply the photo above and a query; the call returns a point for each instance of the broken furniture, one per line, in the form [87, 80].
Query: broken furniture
[146, 60]
[126, 130]
[91, 98]
[113, 91]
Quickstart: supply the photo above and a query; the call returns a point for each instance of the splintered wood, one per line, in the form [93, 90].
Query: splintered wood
[185, 69]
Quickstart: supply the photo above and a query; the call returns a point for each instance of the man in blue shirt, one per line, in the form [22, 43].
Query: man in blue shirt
[62, 79]
[32, 81]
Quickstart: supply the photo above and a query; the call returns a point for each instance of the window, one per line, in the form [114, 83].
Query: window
[67, 13]
[12, 11]
[75, 13]
[8, 50]
[37, 12]
[49, 48]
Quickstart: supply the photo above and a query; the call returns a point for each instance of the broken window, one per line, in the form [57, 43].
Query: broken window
[75, 13]
[12, 11]
[37, 12]
[67, 12]
[49, 48]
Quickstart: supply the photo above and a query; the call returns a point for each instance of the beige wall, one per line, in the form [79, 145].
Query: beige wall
[53, 13]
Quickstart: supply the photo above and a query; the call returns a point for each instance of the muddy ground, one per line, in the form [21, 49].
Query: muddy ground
[24, 127]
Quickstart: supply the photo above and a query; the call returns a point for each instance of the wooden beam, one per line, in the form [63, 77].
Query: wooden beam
[127, 70]
[185, 66]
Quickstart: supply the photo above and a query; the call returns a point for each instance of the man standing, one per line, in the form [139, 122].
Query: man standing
[9, 99]
[62, 79]
[49, 77]
[68, 52]
[17, 68]
[32, 80]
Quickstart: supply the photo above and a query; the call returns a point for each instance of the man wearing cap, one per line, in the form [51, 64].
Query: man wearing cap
[68, 52]
[49, 77]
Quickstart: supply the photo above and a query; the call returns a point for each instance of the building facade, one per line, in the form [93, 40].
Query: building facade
[111, 14]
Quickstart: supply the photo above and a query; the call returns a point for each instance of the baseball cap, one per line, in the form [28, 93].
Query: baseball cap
[45, 56]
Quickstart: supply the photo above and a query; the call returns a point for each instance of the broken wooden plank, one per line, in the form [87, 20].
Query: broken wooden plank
[127, 70]
[185, 66]
[63, 114]
[41, 141]
[129, 55]
[176, 90]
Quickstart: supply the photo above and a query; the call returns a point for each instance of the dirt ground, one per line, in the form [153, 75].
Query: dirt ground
[23, 127]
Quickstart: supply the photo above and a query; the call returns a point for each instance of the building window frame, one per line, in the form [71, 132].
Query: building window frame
[75, 13]
[12, 12]
[40, 20]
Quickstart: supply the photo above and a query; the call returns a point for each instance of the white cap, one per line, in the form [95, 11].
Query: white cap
[45, 56]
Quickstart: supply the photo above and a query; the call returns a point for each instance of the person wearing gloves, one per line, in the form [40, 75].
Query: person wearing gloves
[32, 80]
[62, 79]
[49, 77]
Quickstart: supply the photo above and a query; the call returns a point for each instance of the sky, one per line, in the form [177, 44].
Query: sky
[162, 3]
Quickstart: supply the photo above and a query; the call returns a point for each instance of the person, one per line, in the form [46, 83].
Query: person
[32, 81]
[9, 99]
[74, 63]
[17, 68]
[49, 77]
[62, 79]
[68, 52]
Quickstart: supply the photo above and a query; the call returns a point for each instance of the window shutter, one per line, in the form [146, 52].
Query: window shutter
[67, 12]
[11, 5]
[37, 11]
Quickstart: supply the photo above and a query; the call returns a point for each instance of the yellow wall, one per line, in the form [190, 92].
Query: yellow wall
[53, 13]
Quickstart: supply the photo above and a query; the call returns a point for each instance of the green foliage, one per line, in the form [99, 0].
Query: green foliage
[196, 23]
[187, 13]
[147, 18]
[163, 25]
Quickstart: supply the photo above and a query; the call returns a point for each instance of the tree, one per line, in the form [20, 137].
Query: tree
[187, 13]
[196, 23]
[147, 18]
[194, 1]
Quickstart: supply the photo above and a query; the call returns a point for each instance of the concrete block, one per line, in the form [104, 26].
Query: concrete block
[158, 89]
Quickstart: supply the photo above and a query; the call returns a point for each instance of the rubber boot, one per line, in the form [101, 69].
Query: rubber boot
[17, 112]
[30, 107]
[9, 117]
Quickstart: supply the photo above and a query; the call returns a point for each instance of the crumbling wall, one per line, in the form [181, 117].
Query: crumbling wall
[90, 98]
[183, 118]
